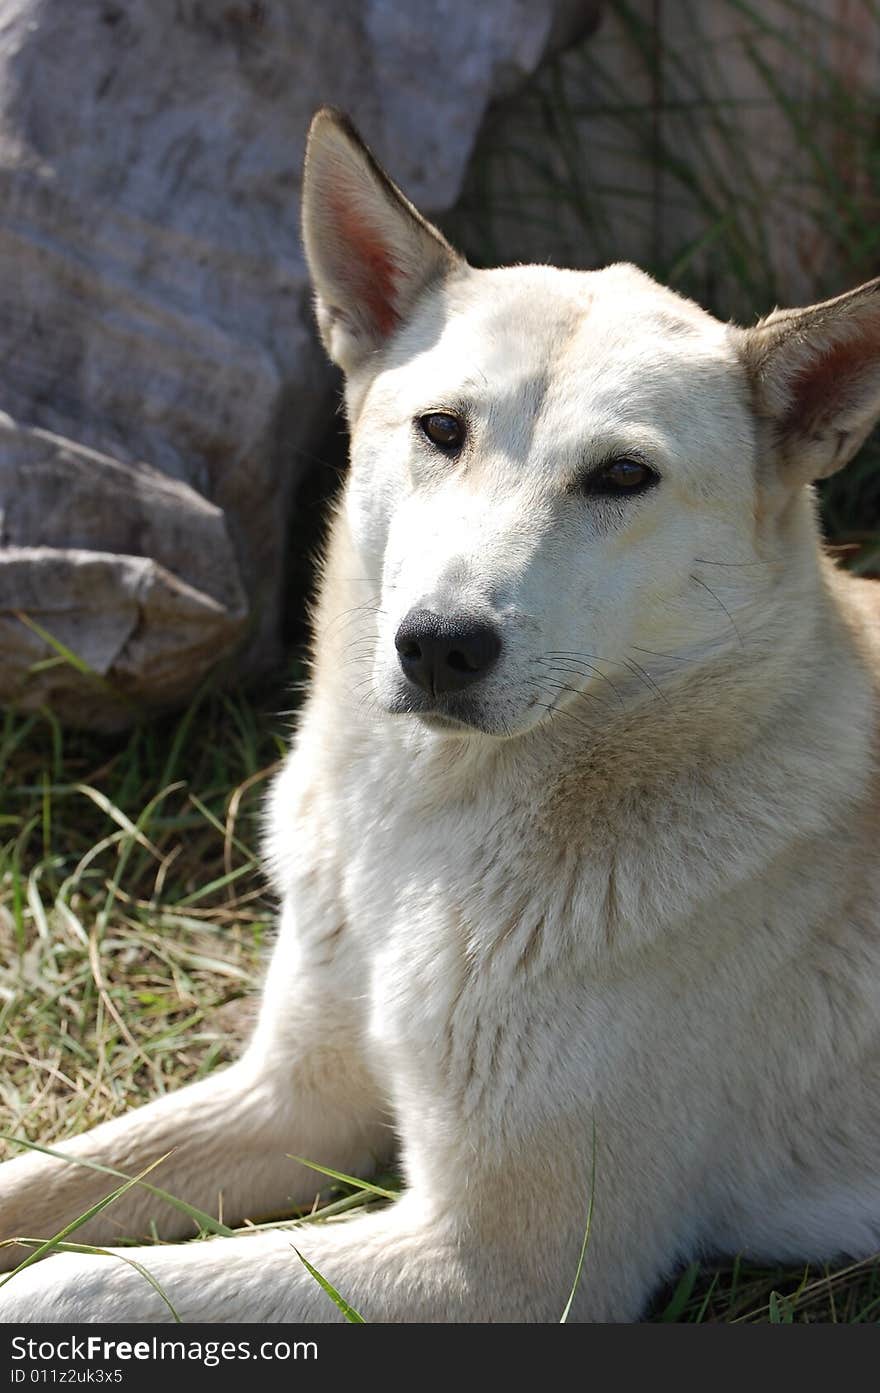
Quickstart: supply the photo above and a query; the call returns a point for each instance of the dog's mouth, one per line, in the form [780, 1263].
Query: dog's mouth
[449, 714]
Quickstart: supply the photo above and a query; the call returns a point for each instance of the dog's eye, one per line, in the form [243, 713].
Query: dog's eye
[621, 476]
[443, 430]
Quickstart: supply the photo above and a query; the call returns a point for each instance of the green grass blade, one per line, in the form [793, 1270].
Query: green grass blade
[199, 1217]
[346, 1179]
[218, 884]
[105, 1253]
[348, 1311]
[51, 1243]
[61, 650]
[683, 1292]
[704, 1305]
[67, 655]
[580, 1267]
[215, 822]
[780, 1310]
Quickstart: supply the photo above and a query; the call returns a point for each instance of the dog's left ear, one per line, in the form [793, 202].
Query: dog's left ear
[815, 376]
[370, 253]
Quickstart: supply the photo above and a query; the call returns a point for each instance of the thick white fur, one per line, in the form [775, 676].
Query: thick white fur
[634, 899]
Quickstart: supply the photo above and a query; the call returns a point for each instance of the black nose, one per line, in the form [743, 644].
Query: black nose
[443, 653]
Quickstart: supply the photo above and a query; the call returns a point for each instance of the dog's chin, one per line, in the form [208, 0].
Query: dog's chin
[449, 725]
[452, 714]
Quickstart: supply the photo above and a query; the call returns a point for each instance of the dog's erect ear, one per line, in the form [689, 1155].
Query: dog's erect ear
[815, 376]
[370, 253]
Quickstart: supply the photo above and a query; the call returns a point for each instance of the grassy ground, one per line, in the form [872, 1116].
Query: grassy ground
[132, 912]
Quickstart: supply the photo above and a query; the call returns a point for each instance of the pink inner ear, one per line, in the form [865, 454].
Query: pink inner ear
[371, 269]
[831, 382]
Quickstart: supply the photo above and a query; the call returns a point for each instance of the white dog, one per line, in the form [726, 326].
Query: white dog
[577, 841]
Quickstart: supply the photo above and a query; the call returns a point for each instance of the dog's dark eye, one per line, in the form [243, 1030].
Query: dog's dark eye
[443, 430]
[621, 476]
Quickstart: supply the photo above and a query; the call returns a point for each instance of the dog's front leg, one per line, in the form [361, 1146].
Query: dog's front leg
[391, 1264]
[398, 1265]
[510, 1258]
[300, 1089]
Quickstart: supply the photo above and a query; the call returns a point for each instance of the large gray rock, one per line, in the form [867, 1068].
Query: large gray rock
[130, 571]
[723, 145]
[161, 377]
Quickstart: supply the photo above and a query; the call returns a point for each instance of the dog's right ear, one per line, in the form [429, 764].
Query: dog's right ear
[815, 377]
[370, 253]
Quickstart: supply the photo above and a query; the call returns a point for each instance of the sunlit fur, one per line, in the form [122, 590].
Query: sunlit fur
[625, 895]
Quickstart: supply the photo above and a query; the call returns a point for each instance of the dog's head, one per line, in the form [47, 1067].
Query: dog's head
[567, 488]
